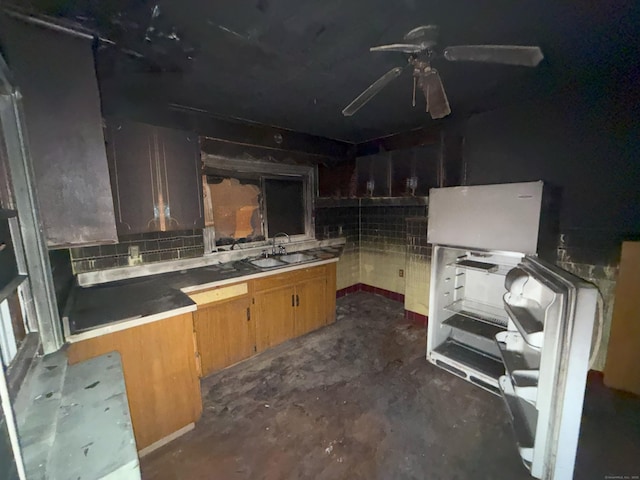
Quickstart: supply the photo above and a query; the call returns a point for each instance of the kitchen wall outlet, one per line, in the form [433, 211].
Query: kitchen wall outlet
[401, 273]
[134, 255]
[134, 252]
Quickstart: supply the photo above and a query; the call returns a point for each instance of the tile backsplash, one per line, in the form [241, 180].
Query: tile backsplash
[380, 233]
[152, 247]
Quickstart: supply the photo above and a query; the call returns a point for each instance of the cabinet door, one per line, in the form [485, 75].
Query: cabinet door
[131, 152]
[180, 155]
[311, 305]
[274, 317]
[224, 334]
[159, 371]
[59, 93]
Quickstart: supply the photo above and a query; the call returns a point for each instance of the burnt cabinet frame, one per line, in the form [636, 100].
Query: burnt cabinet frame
[155, 176]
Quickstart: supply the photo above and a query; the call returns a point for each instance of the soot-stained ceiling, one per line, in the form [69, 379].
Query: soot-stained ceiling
[297, 64]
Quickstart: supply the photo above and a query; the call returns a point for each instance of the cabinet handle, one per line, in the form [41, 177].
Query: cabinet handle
[248, 314]
[297, 300]
[293, 303]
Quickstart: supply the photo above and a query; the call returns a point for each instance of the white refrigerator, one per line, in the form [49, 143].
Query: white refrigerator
[507, 321]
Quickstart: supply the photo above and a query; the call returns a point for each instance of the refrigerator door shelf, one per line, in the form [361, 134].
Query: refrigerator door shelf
[521, 361]
[528, 316]
[524, 419]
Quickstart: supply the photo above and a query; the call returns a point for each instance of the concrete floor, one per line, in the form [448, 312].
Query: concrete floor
[358, 400]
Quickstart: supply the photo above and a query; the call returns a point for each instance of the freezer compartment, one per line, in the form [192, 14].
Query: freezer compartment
[490, 217]
[524, 419]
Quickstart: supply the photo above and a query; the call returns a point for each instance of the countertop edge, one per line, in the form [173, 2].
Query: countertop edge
[126, 324]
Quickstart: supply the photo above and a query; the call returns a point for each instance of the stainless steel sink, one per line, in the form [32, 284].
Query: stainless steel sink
[296, 258]
[267, 263]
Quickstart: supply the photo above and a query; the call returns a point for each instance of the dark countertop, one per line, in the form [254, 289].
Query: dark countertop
[132, 299]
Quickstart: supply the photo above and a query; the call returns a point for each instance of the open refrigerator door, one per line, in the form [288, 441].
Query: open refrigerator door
[545, 350]
[508, 322]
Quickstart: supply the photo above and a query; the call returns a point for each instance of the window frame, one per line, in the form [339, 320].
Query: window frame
[268, 170]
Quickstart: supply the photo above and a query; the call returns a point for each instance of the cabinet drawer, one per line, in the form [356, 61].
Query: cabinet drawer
[311, 272]
[219, 294]
[288, 278]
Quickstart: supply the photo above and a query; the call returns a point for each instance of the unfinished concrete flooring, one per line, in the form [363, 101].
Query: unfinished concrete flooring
[358, 400]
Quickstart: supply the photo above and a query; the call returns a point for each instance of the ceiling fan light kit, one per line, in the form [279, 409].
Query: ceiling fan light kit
[419, 46]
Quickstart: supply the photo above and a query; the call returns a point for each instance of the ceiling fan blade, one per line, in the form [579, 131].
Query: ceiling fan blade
[399, 47]
[437, 102]
[506, 54]
[371, 91]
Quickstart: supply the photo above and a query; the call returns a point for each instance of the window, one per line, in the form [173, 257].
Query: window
[250, 202]
[284, 206]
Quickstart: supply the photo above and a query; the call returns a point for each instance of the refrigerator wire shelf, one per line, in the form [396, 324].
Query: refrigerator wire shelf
[472, 326]
[479, 311]
[472, 359]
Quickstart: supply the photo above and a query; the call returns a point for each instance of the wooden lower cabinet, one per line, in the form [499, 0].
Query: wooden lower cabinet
[291, 304]
[224, 333]
[233, 322]
[159, 371]
[311, 308]
[275, 319]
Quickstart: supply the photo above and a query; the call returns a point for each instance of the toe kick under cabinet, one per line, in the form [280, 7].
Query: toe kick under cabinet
[234, 322]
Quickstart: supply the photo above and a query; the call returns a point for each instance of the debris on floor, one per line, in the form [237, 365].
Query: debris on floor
[355, 400]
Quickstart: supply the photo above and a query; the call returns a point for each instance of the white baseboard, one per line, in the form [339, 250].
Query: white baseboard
[163, 441]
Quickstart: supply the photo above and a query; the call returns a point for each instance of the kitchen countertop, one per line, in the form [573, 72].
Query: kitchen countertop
[114, 306]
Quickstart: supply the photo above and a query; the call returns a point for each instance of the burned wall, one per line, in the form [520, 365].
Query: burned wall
[584, 142]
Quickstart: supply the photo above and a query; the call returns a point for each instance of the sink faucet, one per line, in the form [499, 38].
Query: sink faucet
[281, 249]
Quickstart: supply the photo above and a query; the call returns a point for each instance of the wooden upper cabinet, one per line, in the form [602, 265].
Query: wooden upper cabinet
[55, 74]
[155, 178]
[181, 153]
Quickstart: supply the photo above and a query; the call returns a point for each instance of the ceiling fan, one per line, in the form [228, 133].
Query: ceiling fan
[419, 44]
